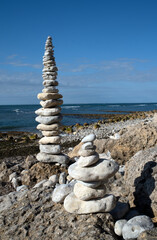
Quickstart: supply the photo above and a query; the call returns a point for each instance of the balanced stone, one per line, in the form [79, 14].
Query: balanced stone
[87, 145]
[51, 103]
[52, 127]
[49, 158]
[51, 89]
[50, 133]
[49, 83]
[74, 205]
[47, 140]
[91, 184]
[101, 170]
[86, 153]
[48, 111]
[49, 115]
[48, 119]
[88, 161]
[50, 149]
[48, 96]
[85, 193]
[89, 138]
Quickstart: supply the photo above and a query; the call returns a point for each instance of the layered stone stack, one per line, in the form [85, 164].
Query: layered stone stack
[89, 195]
[49, 115]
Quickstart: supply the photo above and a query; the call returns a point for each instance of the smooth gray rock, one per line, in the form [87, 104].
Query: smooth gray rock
[119, 226]
[48, 83]
[22, 188]
[135, 226]
[89, 138]
[61, 191]
[86, 153]
[88, 161]
[50, 149]
[49, 120]
[62, 178]
[74, 205]
[48, 111]
[85, 193]
[40, 184]
[13, 175]
[48, 158]
[87, 145]
[101, 170]
[50, 133]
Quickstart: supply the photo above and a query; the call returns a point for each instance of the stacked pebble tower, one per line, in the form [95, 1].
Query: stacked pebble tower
[49, 115]
[89, 194]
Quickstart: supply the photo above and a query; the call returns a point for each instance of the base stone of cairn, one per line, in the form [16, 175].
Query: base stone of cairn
[89, 194]
[49, 115]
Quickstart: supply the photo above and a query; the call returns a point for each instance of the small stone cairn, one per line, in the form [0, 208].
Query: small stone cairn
[49, 115]
[89, 194]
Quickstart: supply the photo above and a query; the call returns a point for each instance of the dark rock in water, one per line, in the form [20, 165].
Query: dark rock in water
[141, 181]
[35, 216]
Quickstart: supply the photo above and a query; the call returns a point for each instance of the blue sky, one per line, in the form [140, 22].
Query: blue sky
[106, 50]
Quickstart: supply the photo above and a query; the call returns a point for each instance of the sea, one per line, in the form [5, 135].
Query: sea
[22, 117]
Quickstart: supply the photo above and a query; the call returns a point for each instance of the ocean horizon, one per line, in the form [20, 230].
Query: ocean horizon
[22, 117]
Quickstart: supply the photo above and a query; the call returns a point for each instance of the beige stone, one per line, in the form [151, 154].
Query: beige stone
[48, 96]
[50, 140]
[52, 127]
[75, 205]
[85, 193]
[50, 133]
[86, 153]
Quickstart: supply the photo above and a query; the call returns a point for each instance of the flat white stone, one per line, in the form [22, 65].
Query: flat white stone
[48, 158]
[89, 138]
[52, 127]
[51, 140]
[54, 179]
[86, 153]
[48, 111]
[85, 193]
[48, 120]
[48, 96]
[99, 171]
[135, 226]
[88, 161]
[52, 68]
[49, 83]
[50, 133]
[75, 205]
[50, 73]
[60, 192]
[119, 226]
[50, 149]
[91, 184]
[51, 103]
[50, 90]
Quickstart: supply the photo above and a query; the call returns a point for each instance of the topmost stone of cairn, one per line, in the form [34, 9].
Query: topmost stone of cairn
[49, 115]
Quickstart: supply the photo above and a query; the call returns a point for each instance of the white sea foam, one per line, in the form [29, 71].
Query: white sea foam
[69, 107]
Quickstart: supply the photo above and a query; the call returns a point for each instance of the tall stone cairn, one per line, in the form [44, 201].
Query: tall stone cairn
[49, 115]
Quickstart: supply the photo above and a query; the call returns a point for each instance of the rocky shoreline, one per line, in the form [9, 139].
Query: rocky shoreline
[31, 214]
